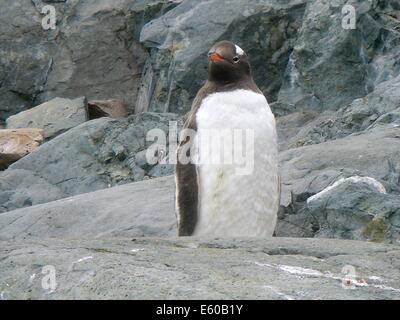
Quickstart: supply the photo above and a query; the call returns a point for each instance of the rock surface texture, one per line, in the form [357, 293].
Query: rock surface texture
[154, 268]
[309, 170]
[53, 117]
[139, 209]
[334, 91]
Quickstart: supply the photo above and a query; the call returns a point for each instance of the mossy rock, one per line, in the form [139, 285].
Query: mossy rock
[375, 230]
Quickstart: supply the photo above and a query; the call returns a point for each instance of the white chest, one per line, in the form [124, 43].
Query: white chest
[232, 204]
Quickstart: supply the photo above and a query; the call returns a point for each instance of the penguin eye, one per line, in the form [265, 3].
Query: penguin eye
[235, 59]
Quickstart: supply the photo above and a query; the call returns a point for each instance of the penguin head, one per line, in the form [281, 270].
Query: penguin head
[227, 63]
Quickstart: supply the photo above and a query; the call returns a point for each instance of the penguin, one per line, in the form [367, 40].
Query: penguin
[212, 199]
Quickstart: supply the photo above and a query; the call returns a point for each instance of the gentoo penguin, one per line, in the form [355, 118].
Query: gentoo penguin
[212, 199]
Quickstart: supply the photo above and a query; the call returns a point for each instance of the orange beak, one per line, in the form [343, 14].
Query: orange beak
[215, 57]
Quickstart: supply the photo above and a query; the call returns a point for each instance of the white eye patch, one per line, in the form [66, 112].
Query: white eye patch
[239, 50]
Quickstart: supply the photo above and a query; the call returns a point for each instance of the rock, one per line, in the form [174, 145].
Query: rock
[190, 268]
[22, 188]
[15, 144]
[177, 65]
[289, 126]
[309, 170]
[144, 208]
[54, 117]
[331, 66]
[107, 108]
[378, 109]
[92, 156]
[356, 208]
[161, 170]
[94, 51]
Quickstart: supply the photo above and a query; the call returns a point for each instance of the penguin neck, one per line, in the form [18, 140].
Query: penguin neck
[245, 82]
[222, 75]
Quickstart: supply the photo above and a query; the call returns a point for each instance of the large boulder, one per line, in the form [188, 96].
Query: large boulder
[139, 209]
[153, 268]
[17, 143]
[93, 51]
[310, 169]
[54, 117]
[355, 208]
[346, 210]
[177, 65]
[94, 155]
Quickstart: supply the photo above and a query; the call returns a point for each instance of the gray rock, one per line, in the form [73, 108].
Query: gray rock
[189, 268]
[177, 64]
[376, 110]
[54, 117]
[356, 211]
[161, 170]
[289, 126]
[94, 51]
[348, 211]
[22, 188]
[95, 155]
[138, 209]
[379, 109]
[330, 66]
[310, 169]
